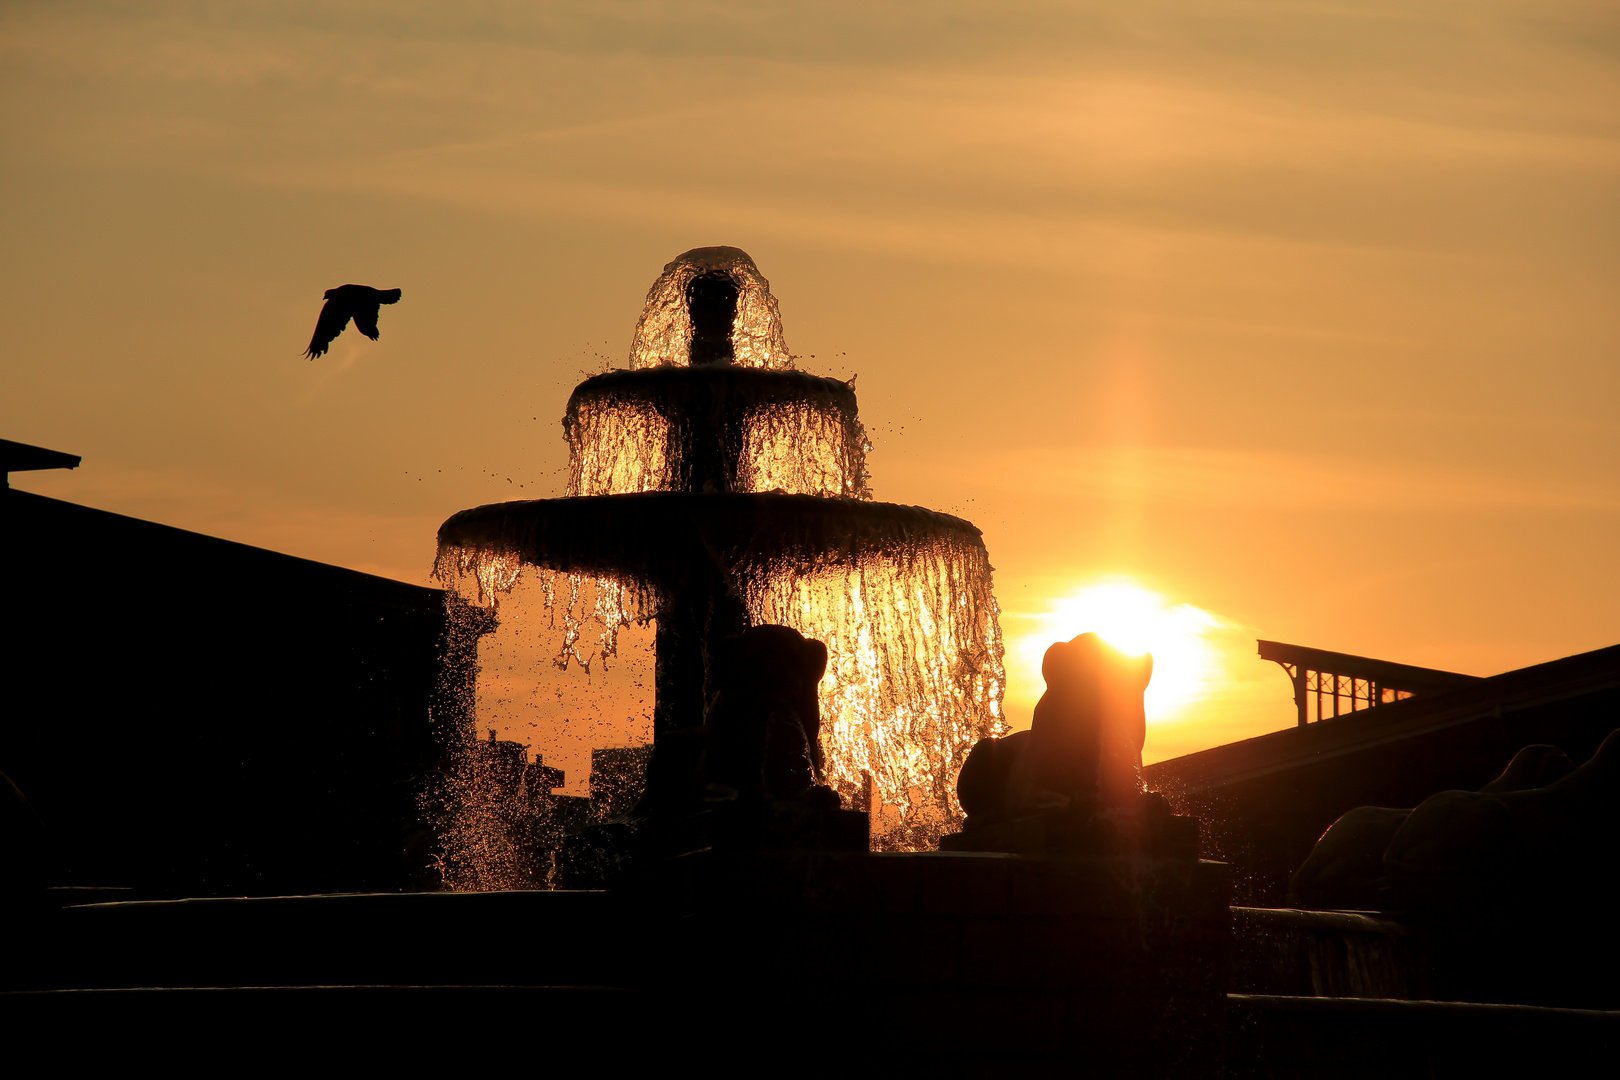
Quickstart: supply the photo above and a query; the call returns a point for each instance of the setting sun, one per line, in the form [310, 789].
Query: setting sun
[1134, 620]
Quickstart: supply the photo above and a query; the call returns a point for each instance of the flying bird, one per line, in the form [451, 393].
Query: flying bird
[357, 302]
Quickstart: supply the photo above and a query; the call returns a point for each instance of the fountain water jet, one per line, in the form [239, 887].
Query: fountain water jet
[713, 487]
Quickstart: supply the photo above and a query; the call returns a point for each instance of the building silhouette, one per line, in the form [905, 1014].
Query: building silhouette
[192, 716]
[1263, 802]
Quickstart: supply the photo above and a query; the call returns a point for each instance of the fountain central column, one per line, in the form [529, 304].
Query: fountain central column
[692, 617]
[700, 608]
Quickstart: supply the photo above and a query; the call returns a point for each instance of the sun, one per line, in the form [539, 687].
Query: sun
[1134, 620]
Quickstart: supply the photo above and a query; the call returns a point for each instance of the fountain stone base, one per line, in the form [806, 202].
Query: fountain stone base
[983, 961]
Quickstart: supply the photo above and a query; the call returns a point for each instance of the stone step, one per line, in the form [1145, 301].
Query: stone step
[545, 938]
[321, 1028]
[1277, 1037]
[926, 920]
[1253, 1037]
[776, 1029]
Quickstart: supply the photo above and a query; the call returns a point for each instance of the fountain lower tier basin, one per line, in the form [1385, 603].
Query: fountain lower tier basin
[653, 537]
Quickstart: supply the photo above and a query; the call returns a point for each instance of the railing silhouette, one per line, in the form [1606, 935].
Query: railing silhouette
[1346, 684]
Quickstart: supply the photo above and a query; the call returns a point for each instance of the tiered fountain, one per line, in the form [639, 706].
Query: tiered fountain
[713, 487]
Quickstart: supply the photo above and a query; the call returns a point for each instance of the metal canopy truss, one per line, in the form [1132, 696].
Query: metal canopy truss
[1329, 684]
[21, 457]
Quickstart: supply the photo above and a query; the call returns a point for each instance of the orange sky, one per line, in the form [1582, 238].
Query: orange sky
[1298, 313]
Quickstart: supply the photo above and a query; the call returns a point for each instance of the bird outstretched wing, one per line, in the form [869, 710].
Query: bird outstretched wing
[366, 306]
[365, 319]
[334, 318]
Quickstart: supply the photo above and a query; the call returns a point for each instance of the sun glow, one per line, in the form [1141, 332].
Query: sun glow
[1134, 620]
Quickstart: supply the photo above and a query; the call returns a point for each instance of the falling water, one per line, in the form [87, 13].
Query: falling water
[627, 433]
[914, 675]
[664, 333]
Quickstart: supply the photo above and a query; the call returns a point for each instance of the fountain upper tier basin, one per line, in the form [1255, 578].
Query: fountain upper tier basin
[715, 428]
[678, 390]
[652, 536]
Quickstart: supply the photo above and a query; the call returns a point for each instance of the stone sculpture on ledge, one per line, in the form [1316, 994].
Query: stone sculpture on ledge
[764, 720]
[1346, 871]
[756, 782]
[1510, 886]
[1072, 784]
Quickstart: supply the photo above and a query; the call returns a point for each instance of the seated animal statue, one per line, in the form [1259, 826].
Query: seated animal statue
[1516, 887]
[1346, 871]
[1084, 749]
[763, 719]
[1534, 766]
[1525, 841]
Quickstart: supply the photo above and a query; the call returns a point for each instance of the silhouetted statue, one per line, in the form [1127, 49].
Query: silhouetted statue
[1515, 838]
[752, 780]
[996, 782]
[764, 718]
[1084, 750]
[1072, 784]
[1536, 765]
[1090, 726]
[1346, 869]
[357, 302]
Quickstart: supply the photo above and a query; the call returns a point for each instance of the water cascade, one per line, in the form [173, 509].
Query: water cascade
[713, 487]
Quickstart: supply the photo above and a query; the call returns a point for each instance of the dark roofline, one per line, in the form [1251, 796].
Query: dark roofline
[1278, 751]
[29, 512]
[21, 457]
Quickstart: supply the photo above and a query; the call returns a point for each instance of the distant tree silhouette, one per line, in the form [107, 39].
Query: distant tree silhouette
[357, 302]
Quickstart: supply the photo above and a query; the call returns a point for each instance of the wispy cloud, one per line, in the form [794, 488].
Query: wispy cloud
[623, 112]
[1209, 477]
